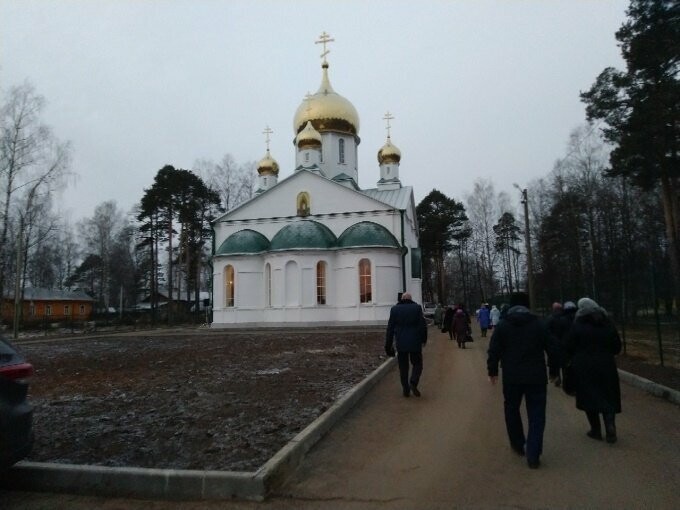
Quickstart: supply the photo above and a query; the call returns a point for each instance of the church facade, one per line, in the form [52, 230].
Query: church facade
[314, 248]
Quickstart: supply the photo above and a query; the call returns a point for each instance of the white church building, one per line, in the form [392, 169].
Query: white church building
[315, 249]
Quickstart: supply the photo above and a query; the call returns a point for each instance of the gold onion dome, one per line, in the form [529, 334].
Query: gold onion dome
[308, 137]
[389, 153]
[327, 110]
[268, 165]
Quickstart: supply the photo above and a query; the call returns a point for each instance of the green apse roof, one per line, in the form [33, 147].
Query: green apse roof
[243, 241]
[367, 233]
[303, 234]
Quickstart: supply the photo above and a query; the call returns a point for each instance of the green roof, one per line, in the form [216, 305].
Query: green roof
[243, 241]
[304, 234]
[367, 233]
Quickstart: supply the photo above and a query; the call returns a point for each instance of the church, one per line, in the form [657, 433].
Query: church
[314, 249]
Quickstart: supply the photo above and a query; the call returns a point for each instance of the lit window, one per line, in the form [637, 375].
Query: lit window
[341, 151]
[48, 309]
[365, 281]
[229, 285]
[321, 283]
[268, 284]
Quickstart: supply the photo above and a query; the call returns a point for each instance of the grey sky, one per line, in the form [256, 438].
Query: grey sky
[477, 88]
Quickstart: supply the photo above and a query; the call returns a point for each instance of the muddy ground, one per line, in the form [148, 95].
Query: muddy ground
[188, 400]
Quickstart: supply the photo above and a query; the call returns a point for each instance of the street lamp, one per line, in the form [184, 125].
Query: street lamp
[530, 266]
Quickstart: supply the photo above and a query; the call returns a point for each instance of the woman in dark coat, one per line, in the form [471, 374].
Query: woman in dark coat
[460, 327]
[448, 317]
[592, 343]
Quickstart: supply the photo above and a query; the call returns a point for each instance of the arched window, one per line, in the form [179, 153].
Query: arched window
[321, 283]
[365, 294]
[307, 156]
[341, 151]
[268, 285]
[229, 286]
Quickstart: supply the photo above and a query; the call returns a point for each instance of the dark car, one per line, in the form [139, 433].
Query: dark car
[16, 414]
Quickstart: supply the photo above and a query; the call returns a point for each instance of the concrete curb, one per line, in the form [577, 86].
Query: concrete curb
[650, 387]
[174, 484]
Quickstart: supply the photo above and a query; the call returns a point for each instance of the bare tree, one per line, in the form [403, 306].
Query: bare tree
[99, 235]
[33, 165]
[232, 181]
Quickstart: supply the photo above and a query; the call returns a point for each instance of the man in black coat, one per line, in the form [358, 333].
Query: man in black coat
[519, 343]
[407, 330]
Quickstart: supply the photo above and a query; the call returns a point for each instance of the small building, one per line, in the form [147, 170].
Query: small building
[46, 304]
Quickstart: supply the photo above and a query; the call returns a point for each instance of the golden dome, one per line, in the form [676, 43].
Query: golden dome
[268, 165]
[327, 110]
[308, 137]
[389, 153]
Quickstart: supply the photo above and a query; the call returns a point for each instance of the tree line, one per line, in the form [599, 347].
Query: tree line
[605, 222]
[117, 257]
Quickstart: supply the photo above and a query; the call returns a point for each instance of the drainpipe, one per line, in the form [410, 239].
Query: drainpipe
[404, 251]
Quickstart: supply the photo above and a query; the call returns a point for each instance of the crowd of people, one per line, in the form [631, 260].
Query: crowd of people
[574, 347]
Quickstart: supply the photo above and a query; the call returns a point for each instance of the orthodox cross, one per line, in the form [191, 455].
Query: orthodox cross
[324, 39]
[267, 131]
[388, 117]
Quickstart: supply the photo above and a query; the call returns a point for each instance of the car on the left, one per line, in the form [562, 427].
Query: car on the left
[16, 413]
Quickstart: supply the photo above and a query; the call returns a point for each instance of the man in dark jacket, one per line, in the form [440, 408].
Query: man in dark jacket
[407, 330]
[519, 343]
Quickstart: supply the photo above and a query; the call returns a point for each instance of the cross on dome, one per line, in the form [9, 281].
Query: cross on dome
[388, 117]
[267, 131]
[324, 39]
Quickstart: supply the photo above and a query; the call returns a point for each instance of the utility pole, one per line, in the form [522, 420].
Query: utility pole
[527, 241]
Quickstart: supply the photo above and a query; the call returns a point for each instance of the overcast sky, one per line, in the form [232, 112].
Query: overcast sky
[478, 88]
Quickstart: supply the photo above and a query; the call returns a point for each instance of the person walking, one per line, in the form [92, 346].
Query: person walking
[519, 343]
[448, 318]
[592, 343]
[495, 315]
[484, 318]
[407, 331]
[438, 315]
[460, 327]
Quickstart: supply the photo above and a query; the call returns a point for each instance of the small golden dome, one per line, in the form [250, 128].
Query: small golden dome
[308, 137]
[268, 165]
[327, 110]
[389, 153]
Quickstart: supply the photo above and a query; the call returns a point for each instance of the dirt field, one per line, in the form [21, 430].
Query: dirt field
[188, 400]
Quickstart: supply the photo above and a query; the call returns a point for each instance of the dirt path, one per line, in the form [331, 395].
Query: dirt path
[448, 449]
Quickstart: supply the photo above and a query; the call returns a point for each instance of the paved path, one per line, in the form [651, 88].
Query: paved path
[448, 449]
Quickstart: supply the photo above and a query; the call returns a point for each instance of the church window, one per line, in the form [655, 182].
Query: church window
[306, 156]
[341, 151]
[303, 203]
[229, 286]
[268, 285]
[265, 182]
[67, 310]
[321, 283]
[388, 170]
[365, 294]
[48, 309]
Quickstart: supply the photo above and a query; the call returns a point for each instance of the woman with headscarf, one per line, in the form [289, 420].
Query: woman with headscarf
[592, 343]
